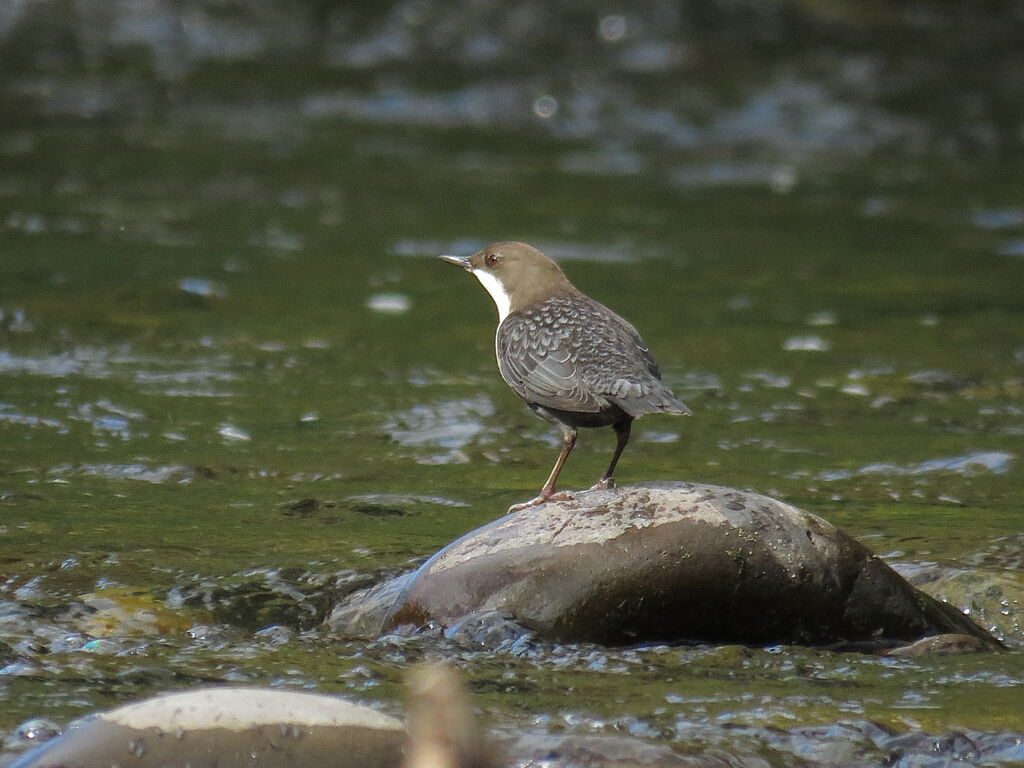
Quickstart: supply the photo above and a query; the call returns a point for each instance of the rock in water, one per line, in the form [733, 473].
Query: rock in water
[228, 728]
[675, 562]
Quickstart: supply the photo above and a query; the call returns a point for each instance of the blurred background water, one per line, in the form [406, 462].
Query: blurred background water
[236, 385]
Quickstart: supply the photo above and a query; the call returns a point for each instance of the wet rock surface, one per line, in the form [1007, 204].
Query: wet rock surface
[675, 562]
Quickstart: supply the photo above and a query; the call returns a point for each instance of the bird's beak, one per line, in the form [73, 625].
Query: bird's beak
[459, 261]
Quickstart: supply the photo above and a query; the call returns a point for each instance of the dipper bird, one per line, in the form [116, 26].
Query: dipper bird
[574, 361]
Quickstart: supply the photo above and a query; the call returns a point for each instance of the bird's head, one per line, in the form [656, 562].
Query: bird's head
[514, 274]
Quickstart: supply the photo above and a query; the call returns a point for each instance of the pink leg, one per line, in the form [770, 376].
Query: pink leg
[547, 493]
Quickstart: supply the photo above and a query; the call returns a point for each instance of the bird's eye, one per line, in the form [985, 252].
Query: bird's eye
[491, 259]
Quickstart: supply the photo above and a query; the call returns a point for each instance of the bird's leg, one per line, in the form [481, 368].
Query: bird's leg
[621, 438]
[568, 442]
[547, 493]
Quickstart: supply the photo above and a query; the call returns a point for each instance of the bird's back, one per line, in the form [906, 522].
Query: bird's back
[571, 353]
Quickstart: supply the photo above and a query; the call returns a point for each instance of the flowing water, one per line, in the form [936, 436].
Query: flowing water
[236, 384]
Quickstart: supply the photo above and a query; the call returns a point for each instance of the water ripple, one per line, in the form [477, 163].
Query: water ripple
[997, 462]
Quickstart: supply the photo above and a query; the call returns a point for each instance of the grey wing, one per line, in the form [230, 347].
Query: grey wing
[540, 365]
[623, 371]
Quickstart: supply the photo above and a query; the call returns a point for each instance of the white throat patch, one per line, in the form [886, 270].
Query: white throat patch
[497, 291]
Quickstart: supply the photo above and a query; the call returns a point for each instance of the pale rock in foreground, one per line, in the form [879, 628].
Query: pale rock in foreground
[228, 728]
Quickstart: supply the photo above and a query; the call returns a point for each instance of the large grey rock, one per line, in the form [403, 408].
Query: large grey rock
[674, 562]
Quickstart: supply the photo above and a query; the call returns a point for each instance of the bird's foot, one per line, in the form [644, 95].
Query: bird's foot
[604, 484]
[542, 498]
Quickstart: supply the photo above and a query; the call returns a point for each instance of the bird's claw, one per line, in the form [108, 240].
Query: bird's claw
[543, 498]
[604, 484]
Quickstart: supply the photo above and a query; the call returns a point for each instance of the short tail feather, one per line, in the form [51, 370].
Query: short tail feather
[661, 400]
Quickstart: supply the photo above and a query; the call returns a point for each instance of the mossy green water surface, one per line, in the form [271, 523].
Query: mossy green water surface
[236, 384]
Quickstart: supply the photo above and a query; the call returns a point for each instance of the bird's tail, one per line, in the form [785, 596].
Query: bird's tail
[659, 400]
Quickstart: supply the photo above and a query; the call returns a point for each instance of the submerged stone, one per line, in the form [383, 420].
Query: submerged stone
[604, 751]
[994, 597]
[130, 611]
[675, 562]
[941, 645]
[228, 727]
